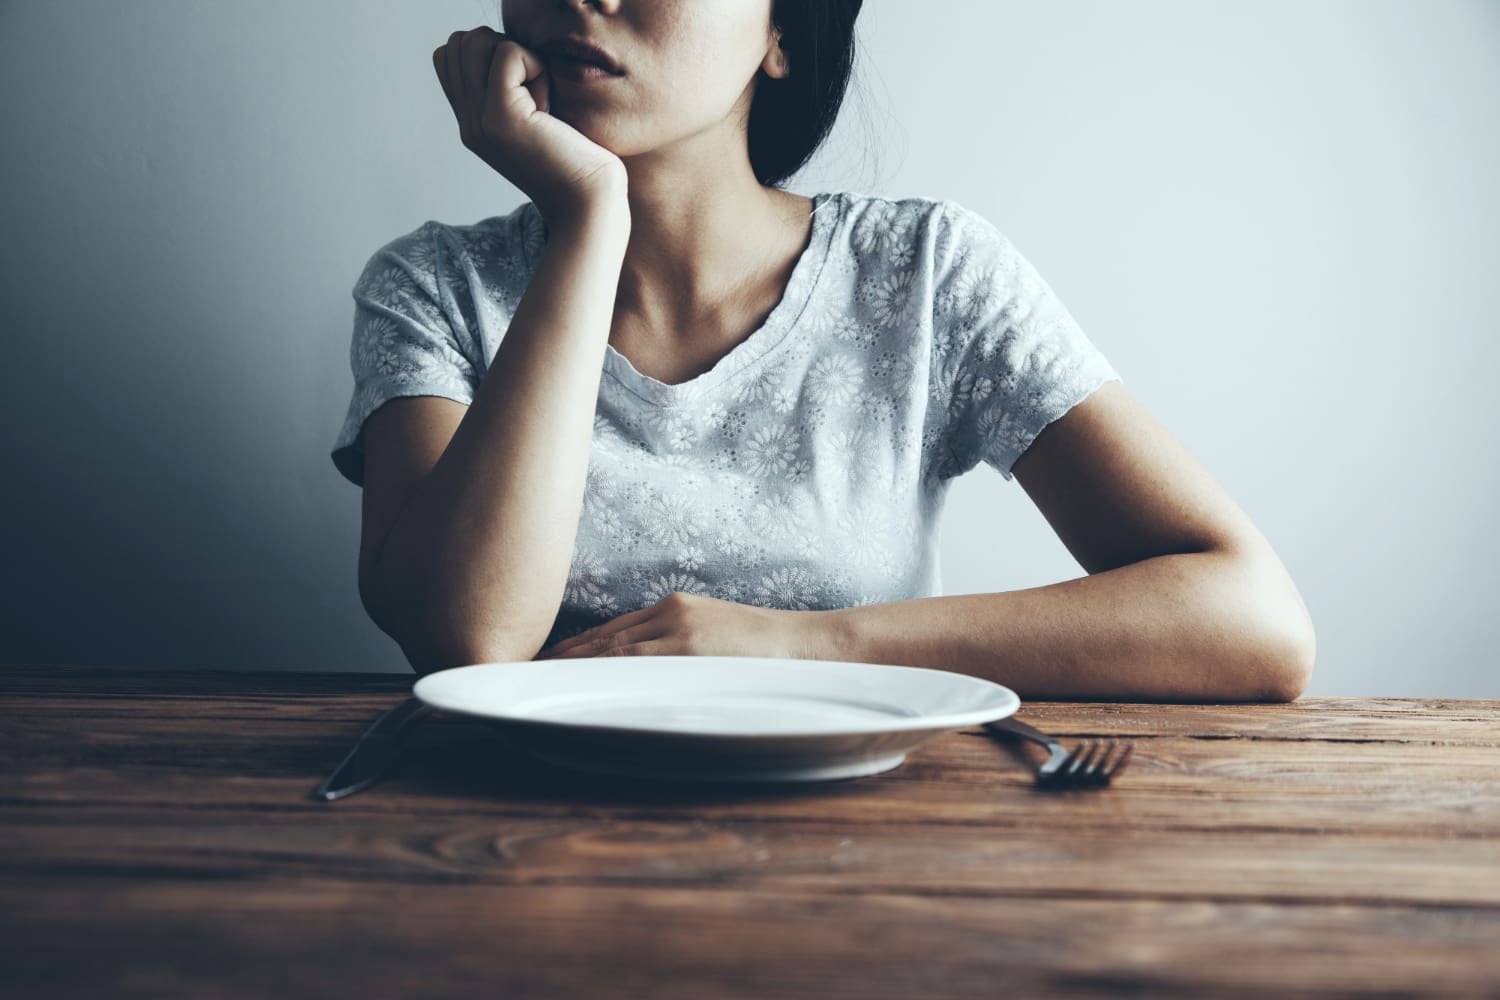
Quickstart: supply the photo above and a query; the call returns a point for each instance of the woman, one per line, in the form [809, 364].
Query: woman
[667, 407]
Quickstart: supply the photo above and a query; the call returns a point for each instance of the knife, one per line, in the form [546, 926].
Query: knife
[375, 752]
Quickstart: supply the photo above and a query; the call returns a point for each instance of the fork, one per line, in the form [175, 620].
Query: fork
[1091, 764]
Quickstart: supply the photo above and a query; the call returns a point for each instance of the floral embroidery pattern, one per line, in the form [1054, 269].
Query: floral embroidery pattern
[807, 469]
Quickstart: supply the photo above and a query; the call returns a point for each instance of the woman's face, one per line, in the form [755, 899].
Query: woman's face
[690, 65]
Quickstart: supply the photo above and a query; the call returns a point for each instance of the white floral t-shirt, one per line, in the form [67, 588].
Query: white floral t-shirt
[805, 470]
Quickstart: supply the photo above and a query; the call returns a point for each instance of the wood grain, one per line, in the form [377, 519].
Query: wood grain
[331, 938]
[158, 841]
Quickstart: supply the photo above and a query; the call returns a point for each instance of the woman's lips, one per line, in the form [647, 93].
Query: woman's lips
[578, 71]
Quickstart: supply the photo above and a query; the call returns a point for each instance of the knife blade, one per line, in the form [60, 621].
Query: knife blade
[371, 758]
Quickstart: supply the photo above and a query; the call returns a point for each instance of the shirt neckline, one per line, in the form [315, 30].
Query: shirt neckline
[827, 211]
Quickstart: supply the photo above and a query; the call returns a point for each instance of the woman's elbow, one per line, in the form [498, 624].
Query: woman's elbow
[430, 659]
[1286, 667]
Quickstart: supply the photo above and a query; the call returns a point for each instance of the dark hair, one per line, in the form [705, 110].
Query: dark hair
[791, 116]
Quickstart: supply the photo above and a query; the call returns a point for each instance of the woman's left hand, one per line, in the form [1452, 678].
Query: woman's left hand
[683, 624]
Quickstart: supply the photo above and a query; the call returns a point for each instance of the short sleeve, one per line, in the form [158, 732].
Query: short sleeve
[1009, 358]
[403, 343]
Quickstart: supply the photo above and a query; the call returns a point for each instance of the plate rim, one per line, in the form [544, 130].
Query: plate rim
[952, 720]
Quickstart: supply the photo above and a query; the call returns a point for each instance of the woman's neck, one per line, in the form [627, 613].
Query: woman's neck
[701, 248]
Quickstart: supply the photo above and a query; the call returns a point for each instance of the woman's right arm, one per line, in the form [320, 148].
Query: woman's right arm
[473, 567]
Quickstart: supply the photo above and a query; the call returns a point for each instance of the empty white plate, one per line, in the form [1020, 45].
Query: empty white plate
[719, 718]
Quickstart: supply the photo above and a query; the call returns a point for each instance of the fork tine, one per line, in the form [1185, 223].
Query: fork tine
[1057, 775]
[1090, 764]
[1092, 774]
[1109, 762]
[1104, 760]
[1065, 769]
[1119, 762]
[1074, 770]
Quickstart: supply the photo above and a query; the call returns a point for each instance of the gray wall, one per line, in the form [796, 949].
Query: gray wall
[1277, 219]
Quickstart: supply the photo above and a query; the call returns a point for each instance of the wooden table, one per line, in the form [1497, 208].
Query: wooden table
[159, 841]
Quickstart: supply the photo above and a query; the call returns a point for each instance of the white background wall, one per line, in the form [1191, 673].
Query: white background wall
[1278, 220]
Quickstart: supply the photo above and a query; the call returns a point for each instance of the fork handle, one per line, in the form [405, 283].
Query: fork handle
[1013, 725]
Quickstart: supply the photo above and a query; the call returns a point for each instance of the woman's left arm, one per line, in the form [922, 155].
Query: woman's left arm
[1185, 601]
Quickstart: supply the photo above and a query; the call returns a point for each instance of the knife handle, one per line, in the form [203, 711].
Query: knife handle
[374, 753]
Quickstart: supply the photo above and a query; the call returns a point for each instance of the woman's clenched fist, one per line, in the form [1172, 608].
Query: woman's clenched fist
[499, 93]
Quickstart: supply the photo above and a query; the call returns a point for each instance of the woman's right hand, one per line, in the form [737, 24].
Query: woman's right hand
[499, 93]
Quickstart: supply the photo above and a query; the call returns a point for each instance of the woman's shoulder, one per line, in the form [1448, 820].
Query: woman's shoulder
[493, 248]
[870, 211]
[892, 229]
[513, 240]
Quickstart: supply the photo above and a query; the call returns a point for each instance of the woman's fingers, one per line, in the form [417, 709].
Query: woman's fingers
[610, 627]
[606, 643]
[444, 61]
[513, 67]
[476, 47]
[478, 52]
